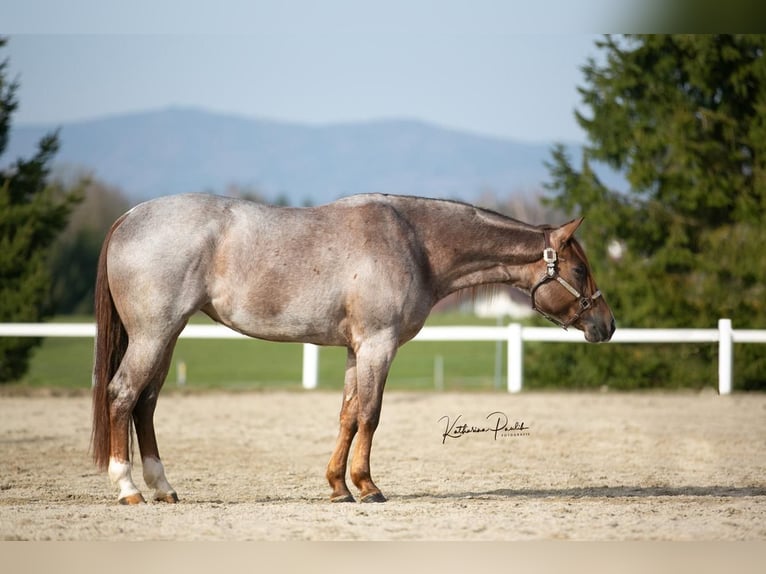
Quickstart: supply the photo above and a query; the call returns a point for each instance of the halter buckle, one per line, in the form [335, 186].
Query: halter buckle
[549, 256]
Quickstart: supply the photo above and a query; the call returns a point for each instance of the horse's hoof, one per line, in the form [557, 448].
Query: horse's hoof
[170, 498]
[342, 498]
[132, 499]
[374, 497]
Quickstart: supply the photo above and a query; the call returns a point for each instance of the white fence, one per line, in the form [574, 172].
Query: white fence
[514, 335]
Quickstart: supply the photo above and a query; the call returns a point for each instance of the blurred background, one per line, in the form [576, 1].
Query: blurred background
[658, 140]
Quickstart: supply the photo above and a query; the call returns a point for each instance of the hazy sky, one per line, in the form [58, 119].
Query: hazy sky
[497, 67]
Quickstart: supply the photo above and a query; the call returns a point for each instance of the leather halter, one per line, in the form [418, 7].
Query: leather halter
[552, 274]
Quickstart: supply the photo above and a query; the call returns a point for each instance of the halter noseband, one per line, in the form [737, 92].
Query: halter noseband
[552, 274]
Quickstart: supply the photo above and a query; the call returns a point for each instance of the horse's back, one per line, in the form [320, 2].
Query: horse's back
[186, 230]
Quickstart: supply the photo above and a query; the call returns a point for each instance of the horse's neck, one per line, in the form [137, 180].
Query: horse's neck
[469, 247]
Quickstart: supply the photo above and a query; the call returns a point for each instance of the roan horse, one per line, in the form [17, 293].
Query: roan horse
[362, 273]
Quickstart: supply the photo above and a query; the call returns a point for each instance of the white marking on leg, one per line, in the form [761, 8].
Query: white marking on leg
[154, 475]
[119, 473]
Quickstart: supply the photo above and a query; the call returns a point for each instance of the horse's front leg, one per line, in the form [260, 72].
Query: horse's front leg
[336, 469]
[373, 362]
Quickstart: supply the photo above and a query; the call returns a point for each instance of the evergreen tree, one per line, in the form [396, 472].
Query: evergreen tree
[684, 119]
[32, 213]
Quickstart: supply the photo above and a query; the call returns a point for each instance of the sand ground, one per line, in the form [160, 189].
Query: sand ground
[250, 466]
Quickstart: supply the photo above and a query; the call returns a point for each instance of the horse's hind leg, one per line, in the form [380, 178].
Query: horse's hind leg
[141, 361]
[143, 418]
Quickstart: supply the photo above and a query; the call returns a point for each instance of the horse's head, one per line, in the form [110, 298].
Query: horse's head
[565, 291]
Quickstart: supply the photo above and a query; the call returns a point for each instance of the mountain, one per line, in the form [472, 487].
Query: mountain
[178, 150]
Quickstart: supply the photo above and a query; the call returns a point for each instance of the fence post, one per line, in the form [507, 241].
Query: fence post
[310, 366]
[439, 372]
[515, 358]
[181, 373]
[725, 356]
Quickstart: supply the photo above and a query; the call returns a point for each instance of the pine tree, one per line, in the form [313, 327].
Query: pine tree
[32, 212]
[684, 119]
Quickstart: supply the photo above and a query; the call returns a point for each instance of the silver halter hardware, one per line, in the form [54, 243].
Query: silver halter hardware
[550, 257]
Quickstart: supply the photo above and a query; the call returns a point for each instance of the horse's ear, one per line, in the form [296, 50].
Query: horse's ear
[562, 234]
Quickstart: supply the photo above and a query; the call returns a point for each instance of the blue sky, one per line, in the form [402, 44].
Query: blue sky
[508, 69]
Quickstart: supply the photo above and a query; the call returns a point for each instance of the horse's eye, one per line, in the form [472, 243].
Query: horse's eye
[579, 272]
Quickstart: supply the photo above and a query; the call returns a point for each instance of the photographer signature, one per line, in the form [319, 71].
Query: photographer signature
[500, 427]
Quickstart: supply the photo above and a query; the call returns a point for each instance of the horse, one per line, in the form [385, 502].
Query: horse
[362, 272]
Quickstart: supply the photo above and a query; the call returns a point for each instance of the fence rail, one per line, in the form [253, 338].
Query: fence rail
[513, 335]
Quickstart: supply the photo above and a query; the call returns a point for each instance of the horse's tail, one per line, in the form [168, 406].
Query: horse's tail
[109, 349]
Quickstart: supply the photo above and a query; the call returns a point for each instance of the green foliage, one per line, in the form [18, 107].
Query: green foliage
[32, 212]
[684, 118]
[74, 257]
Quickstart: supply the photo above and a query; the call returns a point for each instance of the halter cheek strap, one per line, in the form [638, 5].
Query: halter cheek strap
[552, 274]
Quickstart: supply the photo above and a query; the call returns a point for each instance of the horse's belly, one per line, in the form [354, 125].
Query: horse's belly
[275, 321]
[292, 332]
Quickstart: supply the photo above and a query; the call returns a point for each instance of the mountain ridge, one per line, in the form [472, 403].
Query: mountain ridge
[179, 149]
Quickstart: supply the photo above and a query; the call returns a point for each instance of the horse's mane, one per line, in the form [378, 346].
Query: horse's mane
[481, 211]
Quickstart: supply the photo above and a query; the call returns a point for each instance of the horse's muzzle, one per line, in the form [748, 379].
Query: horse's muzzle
[597, 331]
